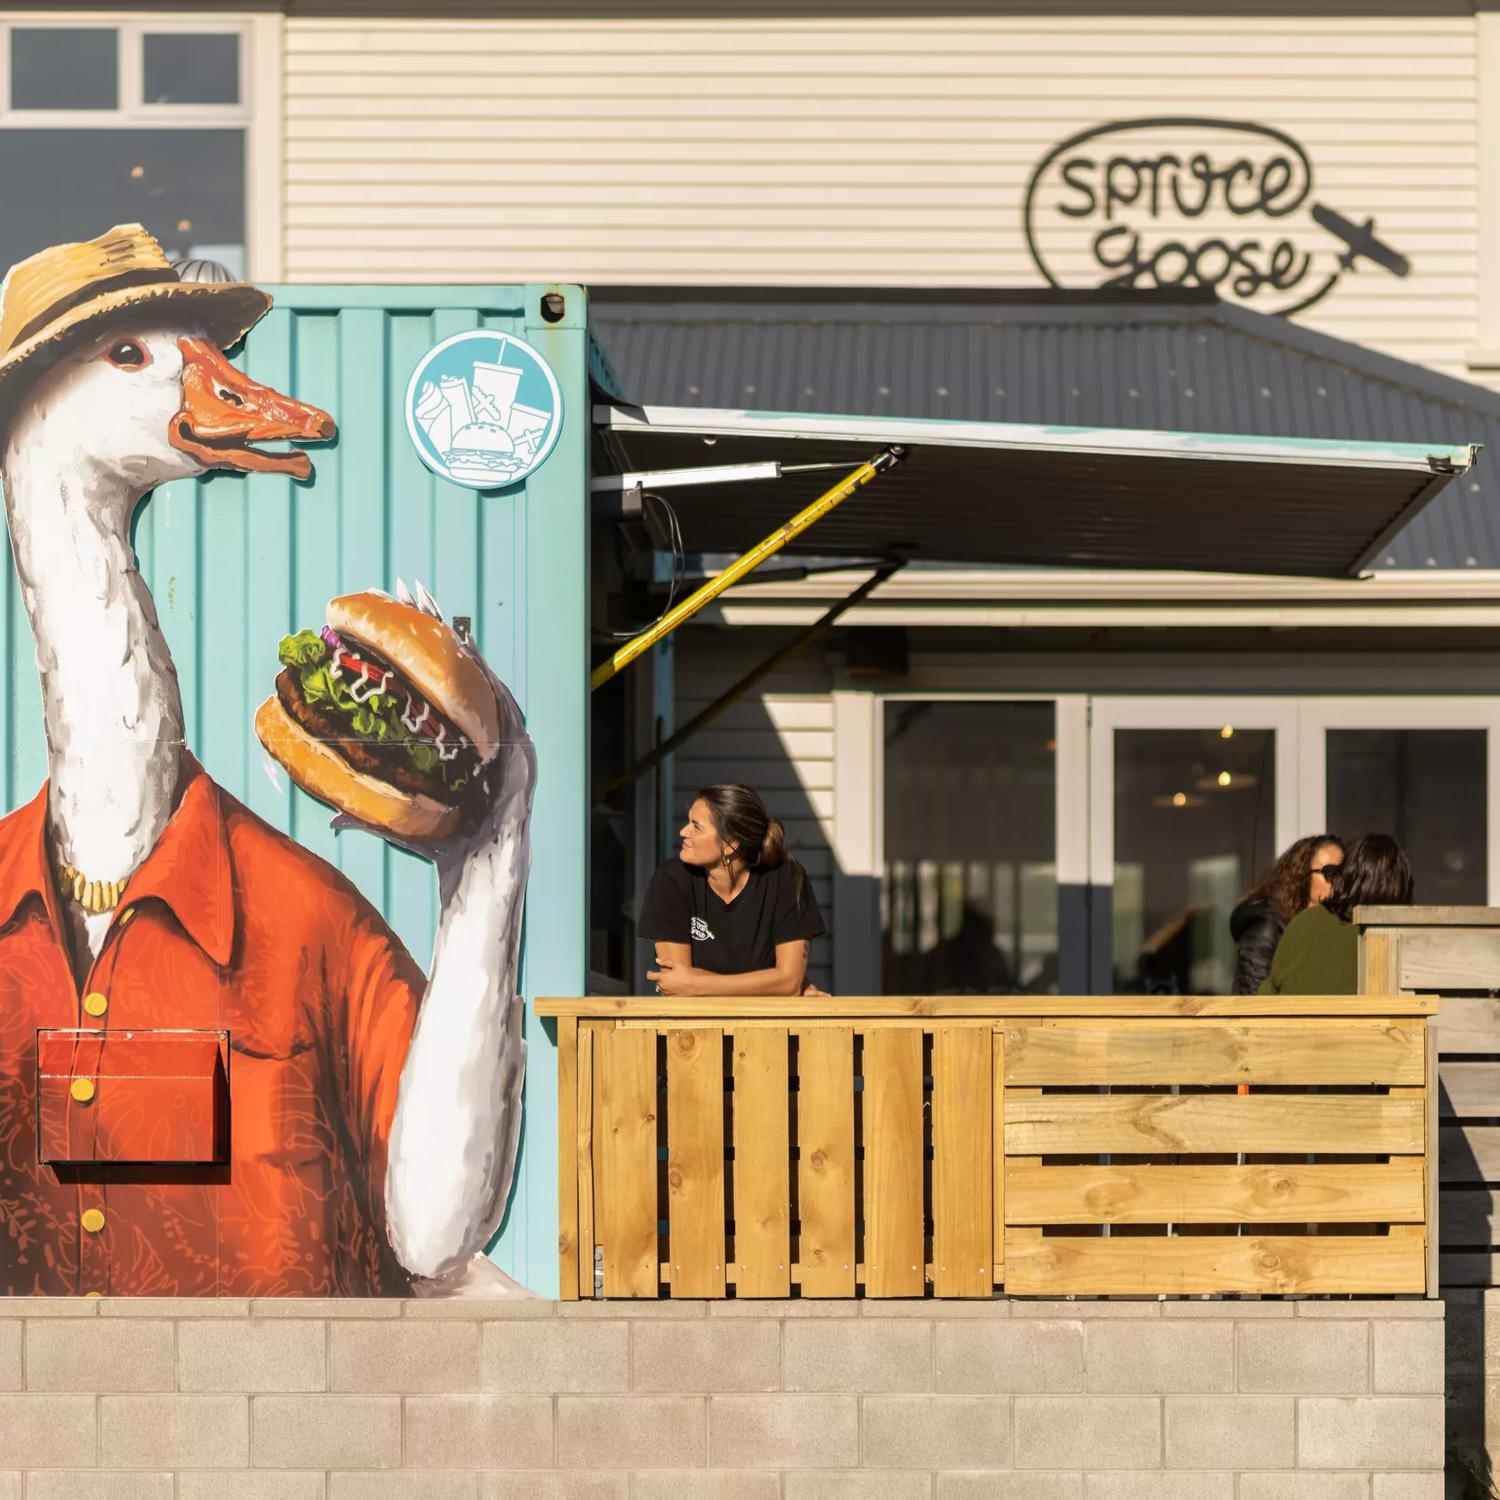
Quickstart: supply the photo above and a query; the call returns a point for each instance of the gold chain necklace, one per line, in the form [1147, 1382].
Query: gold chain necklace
[95, 896]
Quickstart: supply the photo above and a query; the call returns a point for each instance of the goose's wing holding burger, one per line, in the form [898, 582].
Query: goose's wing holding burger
[385, 716]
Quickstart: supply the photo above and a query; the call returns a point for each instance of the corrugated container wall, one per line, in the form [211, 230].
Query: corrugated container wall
[236, 562]
[882, 149]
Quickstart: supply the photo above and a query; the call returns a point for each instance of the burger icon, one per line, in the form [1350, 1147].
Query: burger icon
[483, 453]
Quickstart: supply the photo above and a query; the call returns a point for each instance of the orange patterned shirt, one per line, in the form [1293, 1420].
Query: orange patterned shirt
[228, 926]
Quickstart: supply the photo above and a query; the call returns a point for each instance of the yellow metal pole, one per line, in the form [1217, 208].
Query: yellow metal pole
[731, 575]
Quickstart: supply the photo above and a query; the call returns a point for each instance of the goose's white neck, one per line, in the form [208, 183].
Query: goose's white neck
[111, 704]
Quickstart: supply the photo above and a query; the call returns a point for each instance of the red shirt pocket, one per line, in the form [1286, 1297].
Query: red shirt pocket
[132, 1096]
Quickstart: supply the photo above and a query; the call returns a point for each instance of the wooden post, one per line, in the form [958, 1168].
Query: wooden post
[567, 1157]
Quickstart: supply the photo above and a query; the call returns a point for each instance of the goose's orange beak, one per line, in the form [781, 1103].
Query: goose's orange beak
[224, 411]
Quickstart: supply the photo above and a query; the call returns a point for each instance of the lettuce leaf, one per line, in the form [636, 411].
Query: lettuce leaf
[377, 717]
[305, 649]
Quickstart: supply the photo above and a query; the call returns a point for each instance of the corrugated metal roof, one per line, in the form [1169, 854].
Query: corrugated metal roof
[1134, 360]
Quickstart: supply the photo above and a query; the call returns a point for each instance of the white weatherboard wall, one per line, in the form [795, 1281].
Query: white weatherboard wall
[779, 741]
[884, 149]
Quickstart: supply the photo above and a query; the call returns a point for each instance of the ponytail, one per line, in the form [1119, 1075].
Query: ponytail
[740, 818]
[773, 850]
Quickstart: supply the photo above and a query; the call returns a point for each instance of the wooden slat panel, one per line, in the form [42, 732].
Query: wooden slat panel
[1469, 1089]
[1212, 1052]
[894, 1212]
[585, 1109]
[997, 1154]
[962, 1172]
[695, 1161]
[1468, 1024]
[1264, 1194]
[1186, 1123]
[825, 1162]
[1469, 1153]
[762, 1164]
[1377, 968]
[625, 1069]
[984, 1007]
[567, 1158]
[1455, 958]
[1183, 1265]
[1430, 1181]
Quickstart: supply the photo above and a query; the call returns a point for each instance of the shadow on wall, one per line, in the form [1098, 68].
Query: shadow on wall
[1470, 1463]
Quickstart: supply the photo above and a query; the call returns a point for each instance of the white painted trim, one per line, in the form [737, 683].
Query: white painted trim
[1322, 714]
[1083, 585]
[1099, 442]
[265, 192]
[1072, 788]
[1081, 617]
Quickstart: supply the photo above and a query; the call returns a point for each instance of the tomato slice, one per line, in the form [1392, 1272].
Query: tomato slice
[347, 659]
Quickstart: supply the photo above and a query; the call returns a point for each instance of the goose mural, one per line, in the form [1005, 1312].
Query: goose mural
[221, 1073]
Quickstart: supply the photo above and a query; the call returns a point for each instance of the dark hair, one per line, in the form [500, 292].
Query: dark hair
[740, 818]
[1286, 886]
[1375, 872]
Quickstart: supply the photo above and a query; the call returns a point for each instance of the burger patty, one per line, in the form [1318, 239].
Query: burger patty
[385, 759]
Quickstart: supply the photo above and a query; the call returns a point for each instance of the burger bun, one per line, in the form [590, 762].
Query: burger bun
[318, 768]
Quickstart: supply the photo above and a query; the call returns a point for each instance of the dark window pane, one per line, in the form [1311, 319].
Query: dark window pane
[1425, 787]
[189, 68]
[1195, 813]
[969, 898]
[186, 186]
[64, 67]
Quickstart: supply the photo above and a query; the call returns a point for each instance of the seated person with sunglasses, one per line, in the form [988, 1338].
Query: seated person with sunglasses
[1319, 952]
[1301, 878]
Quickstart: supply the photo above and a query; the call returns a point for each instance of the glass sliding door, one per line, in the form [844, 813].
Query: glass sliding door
[969, 879]
[1418, 769]
[1189, 805]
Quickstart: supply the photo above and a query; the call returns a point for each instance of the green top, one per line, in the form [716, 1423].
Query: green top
[1317, 955]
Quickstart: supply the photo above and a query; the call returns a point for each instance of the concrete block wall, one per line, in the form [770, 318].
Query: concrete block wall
[124, 1399]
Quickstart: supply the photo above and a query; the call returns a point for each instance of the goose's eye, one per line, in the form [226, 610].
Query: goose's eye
[128, 355]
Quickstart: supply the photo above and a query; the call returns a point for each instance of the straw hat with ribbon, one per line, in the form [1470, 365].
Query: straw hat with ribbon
[59, 296]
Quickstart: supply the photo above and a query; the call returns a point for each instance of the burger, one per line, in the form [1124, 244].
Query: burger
[384, 715]
[482, 453]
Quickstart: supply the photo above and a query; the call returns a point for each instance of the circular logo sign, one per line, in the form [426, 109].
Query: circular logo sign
[483, 409]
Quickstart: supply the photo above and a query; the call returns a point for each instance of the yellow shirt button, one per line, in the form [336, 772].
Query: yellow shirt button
[125, 916]
[82, 1089]
[95, 1003]
[92, 1220]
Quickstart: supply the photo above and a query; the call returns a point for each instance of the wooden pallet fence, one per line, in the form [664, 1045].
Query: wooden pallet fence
[1157, 1174]
[901, 1148]
[1453, 952]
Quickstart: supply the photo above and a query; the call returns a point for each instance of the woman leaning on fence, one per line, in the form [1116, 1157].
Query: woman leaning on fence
[1319, 952]
[733, 913]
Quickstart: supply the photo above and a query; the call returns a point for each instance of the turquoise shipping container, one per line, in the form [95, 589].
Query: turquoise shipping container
[235, 562]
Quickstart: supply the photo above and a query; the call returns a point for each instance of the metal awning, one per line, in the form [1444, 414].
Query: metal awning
[1003, 493]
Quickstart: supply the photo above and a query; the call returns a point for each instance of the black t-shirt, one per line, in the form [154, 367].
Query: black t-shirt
[737, 938]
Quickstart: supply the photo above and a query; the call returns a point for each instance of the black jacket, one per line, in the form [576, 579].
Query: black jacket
[1256, 931]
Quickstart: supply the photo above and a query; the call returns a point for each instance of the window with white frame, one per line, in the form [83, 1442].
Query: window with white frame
[108, 122]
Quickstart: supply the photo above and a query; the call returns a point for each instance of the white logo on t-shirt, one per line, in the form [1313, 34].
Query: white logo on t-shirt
[700, 931]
